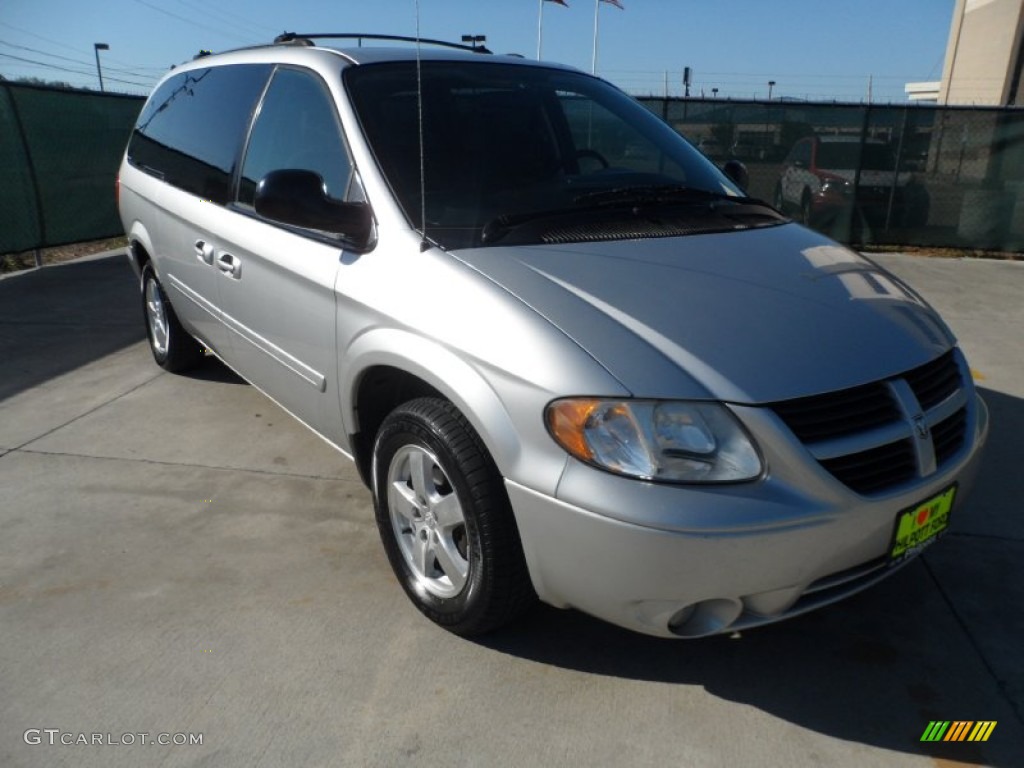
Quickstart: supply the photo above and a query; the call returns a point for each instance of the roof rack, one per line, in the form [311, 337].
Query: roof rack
[294, 38]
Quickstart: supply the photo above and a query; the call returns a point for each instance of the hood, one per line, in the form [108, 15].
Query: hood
[746, 317]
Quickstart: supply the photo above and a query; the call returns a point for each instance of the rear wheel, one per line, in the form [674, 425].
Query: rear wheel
[777, 200]
[173, 348]
[445, 520]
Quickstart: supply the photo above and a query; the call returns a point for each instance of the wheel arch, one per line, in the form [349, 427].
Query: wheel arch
[140, 247]
[387, 367]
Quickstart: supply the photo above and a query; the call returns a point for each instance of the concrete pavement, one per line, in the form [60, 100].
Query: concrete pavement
[179, 556]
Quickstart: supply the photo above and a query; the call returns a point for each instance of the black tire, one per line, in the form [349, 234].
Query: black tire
[459, 513]
[173, 348]
[806, 212]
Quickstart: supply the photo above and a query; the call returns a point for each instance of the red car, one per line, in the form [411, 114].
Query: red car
[817, 183]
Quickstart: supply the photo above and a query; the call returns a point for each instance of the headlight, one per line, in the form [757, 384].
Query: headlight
[671, 441]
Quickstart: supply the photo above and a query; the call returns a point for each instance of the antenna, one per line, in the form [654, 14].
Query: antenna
[424, 243]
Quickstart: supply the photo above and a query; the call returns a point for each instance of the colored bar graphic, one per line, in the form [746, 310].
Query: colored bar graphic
[982, 730]
[958, 730]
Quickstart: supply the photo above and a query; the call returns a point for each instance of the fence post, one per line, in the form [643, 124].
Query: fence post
[896, 170]
[856, 179]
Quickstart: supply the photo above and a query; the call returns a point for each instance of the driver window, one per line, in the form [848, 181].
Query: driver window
[296, 129]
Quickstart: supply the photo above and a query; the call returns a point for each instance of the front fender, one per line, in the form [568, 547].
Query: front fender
[502, 419]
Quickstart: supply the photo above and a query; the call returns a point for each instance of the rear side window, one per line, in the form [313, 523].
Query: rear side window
[190, 130]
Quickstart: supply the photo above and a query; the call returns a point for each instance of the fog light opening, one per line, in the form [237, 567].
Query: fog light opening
[708, 617]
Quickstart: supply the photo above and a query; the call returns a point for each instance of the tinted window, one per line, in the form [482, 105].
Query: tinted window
[297, 129]
[191, 128]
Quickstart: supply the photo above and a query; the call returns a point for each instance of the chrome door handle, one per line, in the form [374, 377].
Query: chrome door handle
[229, 265]
[204, 252]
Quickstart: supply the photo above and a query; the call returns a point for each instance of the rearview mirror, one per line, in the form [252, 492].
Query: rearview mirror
[300, 198]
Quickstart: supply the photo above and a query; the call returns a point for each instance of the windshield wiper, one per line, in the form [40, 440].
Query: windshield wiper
[655, 193]
[499, 226]
[632, 201]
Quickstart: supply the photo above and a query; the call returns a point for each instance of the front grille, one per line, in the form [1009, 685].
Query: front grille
[875, 469]
[864, 439]
[935, 381]
[948, 436]
[822, 417]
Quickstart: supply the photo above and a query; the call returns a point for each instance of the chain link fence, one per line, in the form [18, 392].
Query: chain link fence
[917, 175]
[59, 155]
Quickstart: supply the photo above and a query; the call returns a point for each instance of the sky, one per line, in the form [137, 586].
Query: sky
[812, 49]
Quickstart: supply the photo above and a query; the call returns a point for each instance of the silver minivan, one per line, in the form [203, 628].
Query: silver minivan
[569, 356]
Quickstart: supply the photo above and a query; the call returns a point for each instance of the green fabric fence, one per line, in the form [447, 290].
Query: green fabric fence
[59, 155]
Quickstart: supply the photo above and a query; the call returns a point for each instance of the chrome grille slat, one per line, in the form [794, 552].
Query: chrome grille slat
[823, 450]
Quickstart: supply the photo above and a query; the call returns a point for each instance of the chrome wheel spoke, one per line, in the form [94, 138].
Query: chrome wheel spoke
[451, 562]
[402, 500]
[420, 475]
[422, 553]
[448, 513]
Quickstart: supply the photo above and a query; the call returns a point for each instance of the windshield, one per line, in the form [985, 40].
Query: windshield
[506, 140]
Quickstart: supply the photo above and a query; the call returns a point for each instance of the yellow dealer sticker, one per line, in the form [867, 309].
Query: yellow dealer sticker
[918, 526]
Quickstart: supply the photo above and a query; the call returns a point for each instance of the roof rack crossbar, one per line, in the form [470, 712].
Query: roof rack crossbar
[292, 37]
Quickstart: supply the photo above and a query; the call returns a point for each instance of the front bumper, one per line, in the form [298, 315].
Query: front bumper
[692, 561]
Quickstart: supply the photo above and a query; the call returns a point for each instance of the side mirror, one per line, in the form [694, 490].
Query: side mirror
[738, 173]
[299, 198]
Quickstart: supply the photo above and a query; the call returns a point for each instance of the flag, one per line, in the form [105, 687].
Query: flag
[616, 3]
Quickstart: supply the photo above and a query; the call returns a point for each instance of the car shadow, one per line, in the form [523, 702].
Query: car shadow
[212, 369]
[874, 669]
[56, 319]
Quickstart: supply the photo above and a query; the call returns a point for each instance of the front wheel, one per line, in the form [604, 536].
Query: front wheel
[445, 520]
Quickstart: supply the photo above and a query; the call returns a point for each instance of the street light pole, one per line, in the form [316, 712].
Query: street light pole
[97, 47]
[771, 84]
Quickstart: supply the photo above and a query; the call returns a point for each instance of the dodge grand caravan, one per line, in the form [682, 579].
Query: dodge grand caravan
[570, 357]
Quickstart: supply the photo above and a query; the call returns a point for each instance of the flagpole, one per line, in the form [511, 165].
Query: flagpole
[540, 26]
[597, 12]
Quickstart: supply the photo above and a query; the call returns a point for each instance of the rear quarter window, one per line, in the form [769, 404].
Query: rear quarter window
[192, 127]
